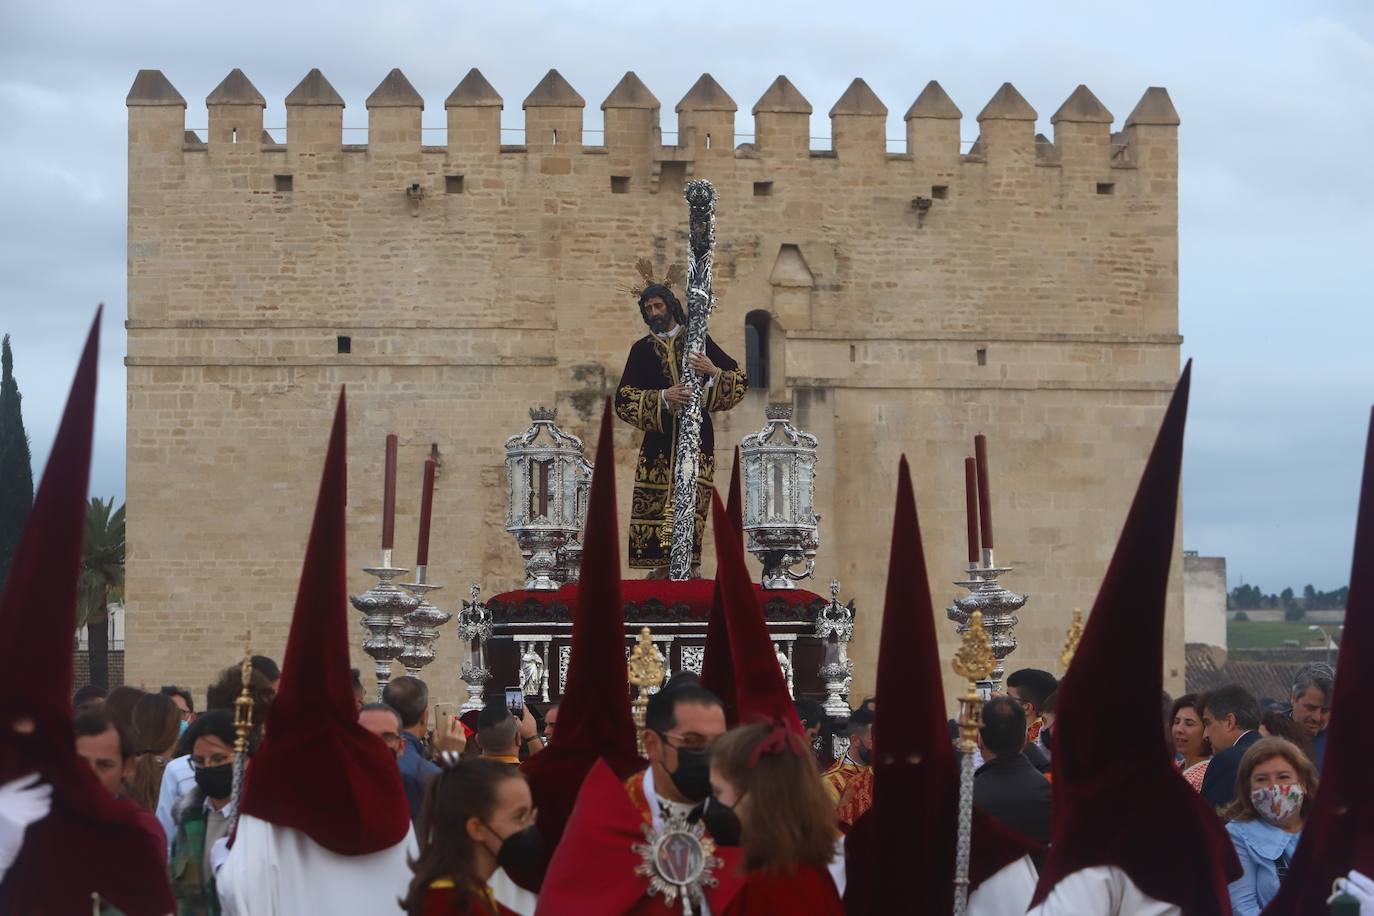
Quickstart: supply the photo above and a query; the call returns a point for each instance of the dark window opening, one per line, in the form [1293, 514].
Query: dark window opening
[982, 356]
[763, 188]
[1106, 187]
[453, 184]
[708, 141]
[555, 136]
[939, 191]
[620, 184]
[756, 325]
[283, 182]
[234, 135]
[345, 344]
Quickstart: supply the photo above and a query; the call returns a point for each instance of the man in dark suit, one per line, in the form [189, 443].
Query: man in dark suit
[1230, 719]
[1007, 786]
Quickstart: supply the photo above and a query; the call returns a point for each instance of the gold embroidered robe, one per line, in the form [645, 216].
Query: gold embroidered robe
[654, 365]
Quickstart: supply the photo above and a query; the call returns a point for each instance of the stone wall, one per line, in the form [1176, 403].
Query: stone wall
[1204, 599]
[1031, 294]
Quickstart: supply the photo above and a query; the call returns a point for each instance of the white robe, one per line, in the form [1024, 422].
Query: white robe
[1007, 892]
[278, 871]
[1103, 890]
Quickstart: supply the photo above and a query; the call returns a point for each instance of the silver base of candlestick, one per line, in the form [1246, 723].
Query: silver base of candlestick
[999, 606]
[421, 628]
[384, 607]
[835, 626]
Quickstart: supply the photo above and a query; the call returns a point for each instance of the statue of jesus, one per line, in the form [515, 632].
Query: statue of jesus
[650, 394]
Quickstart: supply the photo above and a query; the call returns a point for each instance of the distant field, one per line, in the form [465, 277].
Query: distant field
[1245, 634]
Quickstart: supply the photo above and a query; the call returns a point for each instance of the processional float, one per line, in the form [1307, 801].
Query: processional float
[523, 637]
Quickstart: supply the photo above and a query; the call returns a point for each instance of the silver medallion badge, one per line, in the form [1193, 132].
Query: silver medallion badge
[679, 861]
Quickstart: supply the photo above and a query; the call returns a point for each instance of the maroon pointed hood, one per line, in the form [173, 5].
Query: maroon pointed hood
[318, 771]
[1119, 799]
[1339, 834]
[120, 859]
[717, 667]
[897, 861]
[594, 718]
[760, 688]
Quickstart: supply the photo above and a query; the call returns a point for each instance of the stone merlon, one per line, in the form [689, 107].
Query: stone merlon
[1007, 105]
[1084, 107]
[554, 91]
[152, 88]
[858, 99]
[782, 97]
[631, 92]
[707, 95]
[1154, 107]
[236, 89]
[315, 90]
[934, 103]
[395, 92]
[474, 92]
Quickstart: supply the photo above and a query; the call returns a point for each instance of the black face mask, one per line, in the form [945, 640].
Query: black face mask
[216, 782]
[522, 852]
[865, 754]
[1046, 736]
[721, 822]
[693, 774]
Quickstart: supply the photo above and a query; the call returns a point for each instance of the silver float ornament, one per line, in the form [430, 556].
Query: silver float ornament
[781, 527]
[475, 628]
[835, 627]
[384, 607]
[421, 624]
[570, 554]
[544, 473]
[998, 606]
[679, 860]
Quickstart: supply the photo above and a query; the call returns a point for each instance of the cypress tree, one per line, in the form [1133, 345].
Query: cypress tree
[16, 471]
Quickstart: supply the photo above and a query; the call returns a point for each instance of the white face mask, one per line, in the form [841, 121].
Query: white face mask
[1277, 803]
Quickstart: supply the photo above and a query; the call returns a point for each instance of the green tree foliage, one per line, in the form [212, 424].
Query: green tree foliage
[1250, 598]
[16, 470]
[102, 581]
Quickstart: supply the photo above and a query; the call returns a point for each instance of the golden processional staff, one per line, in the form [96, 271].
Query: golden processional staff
[974, 661]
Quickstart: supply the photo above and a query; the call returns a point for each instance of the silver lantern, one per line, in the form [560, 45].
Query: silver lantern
[780, 526]
[544, 470]
[570, 554]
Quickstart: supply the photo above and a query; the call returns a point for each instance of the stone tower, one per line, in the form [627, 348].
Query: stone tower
[1026, 288]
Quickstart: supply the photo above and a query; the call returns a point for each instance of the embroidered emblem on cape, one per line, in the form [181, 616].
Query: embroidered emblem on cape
[679, 861]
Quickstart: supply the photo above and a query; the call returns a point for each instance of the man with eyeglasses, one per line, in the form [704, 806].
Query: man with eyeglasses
[681, 723]
[385, 723]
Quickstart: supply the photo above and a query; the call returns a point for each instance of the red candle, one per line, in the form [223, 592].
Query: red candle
[389, 495]
[971, 507]
[426, 506]
[980, 451]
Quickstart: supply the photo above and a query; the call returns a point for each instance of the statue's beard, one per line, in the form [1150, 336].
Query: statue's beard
[659, 324]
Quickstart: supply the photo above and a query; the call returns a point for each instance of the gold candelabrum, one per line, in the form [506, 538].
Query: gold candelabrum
[647, 671]
[1071, 639]
[973, 662]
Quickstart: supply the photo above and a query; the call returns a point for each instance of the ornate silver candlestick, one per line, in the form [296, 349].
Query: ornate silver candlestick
[421, 625]
[835, 625]
[998, 606]
[384, 607]
[474, 626]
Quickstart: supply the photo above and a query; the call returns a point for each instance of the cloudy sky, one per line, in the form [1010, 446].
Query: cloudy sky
[1277, 187]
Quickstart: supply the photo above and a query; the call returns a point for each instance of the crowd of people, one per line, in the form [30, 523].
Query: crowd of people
[291, 793]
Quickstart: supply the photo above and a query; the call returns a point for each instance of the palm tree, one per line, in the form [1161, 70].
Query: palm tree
[102, 580]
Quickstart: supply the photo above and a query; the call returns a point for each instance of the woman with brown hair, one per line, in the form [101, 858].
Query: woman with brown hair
[156, 722]
[1274, 724]
[478, 817]
[1192, 752]
[1275, 786]
[766, 776]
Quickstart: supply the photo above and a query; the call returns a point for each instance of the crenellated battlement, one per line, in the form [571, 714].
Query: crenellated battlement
[1083, 138]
